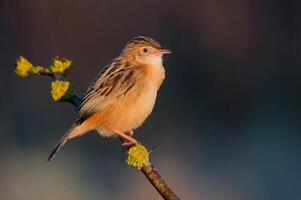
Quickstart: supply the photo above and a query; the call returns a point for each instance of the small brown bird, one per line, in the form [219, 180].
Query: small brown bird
[123, 94]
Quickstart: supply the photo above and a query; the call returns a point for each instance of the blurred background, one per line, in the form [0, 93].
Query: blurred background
[227, 121]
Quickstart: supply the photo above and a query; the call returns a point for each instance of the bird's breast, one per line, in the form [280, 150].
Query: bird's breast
[141, 104]
[154, 75]
[145, 97]
[128, 112]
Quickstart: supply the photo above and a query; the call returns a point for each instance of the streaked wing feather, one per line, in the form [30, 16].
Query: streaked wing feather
[116, 79]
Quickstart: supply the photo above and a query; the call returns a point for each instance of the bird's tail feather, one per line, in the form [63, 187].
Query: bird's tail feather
[68, 135]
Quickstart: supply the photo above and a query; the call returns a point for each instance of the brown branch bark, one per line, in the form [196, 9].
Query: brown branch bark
[155, 179]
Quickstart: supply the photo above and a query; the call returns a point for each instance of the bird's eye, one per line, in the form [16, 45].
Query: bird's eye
[145, 50]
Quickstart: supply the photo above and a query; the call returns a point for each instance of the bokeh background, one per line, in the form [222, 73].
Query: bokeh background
[227, 119]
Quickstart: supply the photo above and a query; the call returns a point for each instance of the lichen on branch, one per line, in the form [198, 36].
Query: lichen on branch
[137, 156]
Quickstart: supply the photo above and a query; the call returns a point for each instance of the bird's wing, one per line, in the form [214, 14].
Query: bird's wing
[114, 80]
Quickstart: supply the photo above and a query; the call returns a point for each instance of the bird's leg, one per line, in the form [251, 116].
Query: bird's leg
[128, 137]
[128, 144]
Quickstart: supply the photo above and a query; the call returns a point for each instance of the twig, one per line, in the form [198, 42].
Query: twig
[156, 180]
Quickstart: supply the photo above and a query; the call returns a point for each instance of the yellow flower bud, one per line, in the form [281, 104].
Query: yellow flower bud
[60, 65]
[47, 70]
[61, 90]
[36, 70]
[23, 67]
[137, 156]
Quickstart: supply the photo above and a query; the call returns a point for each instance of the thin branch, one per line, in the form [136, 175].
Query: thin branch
[154, 177]
[75, 100]
[46, 73]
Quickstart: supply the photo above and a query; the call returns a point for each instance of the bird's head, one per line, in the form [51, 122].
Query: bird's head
[144, 50]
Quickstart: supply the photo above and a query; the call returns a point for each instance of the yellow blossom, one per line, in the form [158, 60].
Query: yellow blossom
[23, 67]
[36, 69]
[137, 156]
[47, 70]
[61, 90]
[60, 65]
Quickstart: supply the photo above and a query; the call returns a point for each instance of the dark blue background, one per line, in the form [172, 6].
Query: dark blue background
[227, 119]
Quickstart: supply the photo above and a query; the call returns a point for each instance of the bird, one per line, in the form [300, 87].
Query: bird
[122, 95]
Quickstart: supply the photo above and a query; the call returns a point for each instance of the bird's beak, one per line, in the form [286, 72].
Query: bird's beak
[164, 51]
[161, 52]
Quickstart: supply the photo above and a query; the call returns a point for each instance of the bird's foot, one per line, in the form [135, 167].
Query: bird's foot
[127, 139]
[130, 133]
[126, 144]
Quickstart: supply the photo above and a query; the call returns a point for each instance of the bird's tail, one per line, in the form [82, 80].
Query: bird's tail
[68, 135]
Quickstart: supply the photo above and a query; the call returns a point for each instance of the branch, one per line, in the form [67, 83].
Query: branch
[63, 91]
[156, 180]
